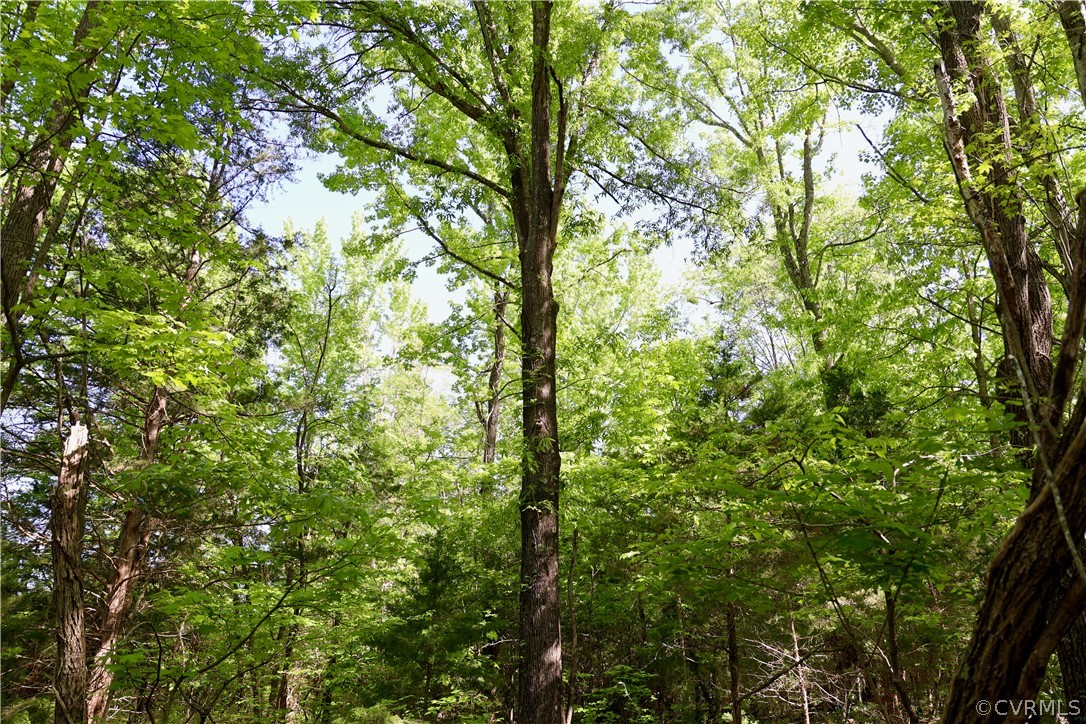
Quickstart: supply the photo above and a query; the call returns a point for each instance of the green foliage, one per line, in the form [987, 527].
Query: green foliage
[766, 491]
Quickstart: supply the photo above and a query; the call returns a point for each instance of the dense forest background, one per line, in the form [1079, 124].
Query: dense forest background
[246, 478]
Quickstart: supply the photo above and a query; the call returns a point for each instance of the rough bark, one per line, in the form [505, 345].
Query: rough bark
[39, 172]
[1014, 637]
[1071, 651]
[1031, 137]
[539, 697]
[1025, 610]
[66, 524]
[1025, 303]
[1073, 18]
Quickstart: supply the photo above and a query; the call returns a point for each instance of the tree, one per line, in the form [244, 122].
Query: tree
[500, 80]
[190, 167]
[39, 161]
[1005, 137]
[1046, 542]
[258, 484]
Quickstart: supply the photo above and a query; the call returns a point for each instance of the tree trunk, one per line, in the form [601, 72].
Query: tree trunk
[540, 682]
[128, 567]
[1072, 647]
[571, 688]
[40, 171]
[1014, 636]
[493, 408]
[896, 677]
[131, 545]
[1073, 18]
[1024, 611]
[1026, 306]
[792, 241]
[66, 523]
[733, 667]
[1071, 651]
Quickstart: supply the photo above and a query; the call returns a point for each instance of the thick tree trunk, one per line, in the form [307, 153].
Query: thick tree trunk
[1015, 635]
[1024, 611]
[66, 523]
[540, 683]
[128, 567]
[541, 648]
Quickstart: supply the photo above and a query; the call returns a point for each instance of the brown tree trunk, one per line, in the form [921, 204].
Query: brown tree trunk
[128, 567]
[66, 524]
[539, 697]
[1026, 306]
[1071, 651]
[132, 543]
[1014, 635]
[39, 172]
[1025, 610]
[1073, 18]
[136, 529]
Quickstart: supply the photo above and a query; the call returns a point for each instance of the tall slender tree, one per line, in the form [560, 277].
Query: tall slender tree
[524, 105]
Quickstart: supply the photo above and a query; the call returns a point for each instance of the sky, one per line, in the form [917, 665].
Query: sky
[305, 201]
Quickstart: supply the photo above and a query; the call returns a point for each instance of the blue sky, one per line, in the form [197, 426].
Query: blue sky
[304, 200]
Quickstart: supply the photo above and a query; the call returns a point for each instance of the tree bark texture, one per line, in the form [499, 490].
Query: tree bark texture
[571, 686]
[1025, 610]
[1071, 651]
[66, 524]
[1073, 18]
[540, 684]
